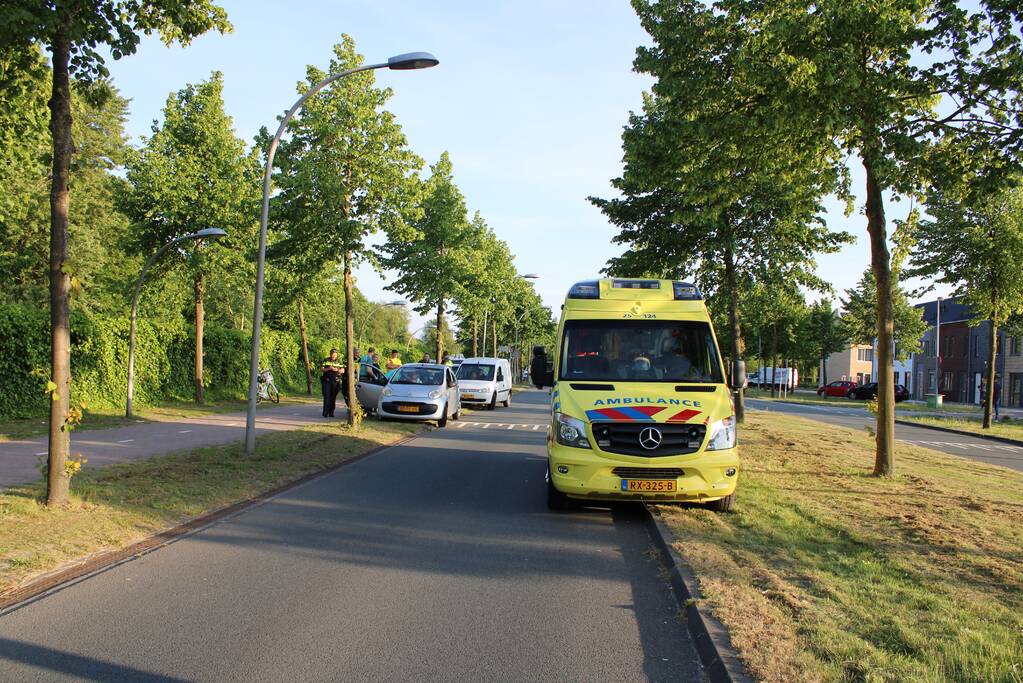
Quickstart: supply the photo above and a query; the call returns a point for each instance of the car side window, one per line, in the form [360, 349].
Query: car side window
[500, 375]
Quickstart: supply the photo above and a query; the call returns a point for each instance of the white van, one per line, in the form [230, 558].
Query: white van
[485, 381]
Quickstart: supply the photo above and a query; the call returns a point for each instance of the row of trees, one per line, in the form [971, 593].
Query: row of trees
[344, 173]
[758, 109]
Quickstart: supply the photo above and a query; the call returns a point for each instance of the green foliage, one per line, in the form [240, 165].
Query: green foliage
[859, 322]
[163, 362]
[344, 173]
[975, 244]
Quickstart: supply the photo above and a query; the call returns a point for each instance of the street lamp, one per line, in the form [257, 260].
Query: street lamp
[518, 350]
[403, 62]
[408, 344]
[212, 233]
[362, 328]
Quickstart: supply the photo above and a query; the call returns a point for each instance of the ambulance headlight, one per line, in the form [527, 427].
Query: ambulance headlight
[570, 431]
[722, 435]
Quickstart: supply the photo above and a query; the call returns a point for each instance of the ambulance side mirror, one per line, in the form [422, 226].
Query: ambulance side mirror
[738, 379]
[541, 370]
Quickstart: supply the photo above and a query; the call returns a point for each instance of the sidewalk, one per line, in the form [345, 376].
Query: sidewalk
[19, 459]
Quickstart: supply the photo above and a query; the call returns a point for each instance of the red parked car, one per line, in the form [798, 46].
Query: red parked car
[840, 388]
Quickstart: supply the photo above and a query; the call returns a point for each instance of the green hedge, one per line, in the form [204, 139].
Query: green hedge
[164, 361]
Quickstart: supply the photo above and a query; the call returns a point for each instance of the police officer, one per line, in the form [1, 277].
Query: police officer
[330, 381]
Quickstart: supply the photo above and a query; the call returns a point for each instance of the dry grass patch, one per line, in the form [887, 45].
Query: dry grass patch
[119, 504]
[826, 573]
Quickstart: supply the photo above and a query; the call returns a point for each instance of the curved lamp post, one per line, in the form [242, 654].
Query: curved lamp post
[405, 62]
[362, 328]
[212, 233]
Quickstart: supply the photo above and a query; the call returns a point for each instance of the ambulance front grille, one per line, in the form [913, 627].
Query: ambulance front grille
[624, 438]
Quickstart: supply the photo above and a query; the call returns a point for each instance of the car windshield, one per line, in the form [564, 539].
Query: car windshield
[482, 372]
[418, 375]
[639, 351]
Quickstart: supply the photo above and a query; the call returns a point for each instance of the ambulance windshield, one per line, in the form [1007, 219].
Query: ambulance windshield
[639, 351]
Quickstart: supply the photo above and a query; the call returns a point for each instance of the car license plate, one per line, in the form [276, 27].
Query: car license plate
[653, 485]
[408, 409]
[467, 397]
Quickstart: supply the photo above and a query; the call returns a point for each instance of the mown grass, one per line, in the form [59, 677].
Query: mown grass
[826, 573]
[108, 418]
[1007, 428]
[805, 396]
[119, 504]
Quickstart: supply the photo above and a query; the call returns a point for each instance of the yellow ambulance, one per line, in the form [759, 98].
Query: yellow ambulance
[640, 407]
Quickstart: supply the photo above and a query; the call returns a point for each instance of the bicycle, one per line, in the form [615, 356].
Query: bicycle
[266, 389]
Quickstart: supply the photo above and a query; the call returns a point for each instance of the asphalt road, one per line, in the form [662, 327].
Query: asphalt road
[433, 560]
[974, 448]
[19, 459]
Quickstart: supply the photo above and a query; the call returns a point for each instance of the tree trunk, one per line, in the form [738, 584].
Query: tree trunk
[880, 264]
[439, 343]
[495, 336]
[354, 410]
[733, 319]
[200, 325]
[774, 359]
[57, 483]
[989, 394]
[305, 349]
[475, 338]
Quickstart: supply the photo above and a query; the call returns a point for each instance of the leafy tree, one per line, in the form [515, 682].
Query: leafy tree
[432, 253]
[884, 82]
[72, 31]
[193, 173]
[345, 173]
[975, 244]
[704, 193]
[825, 334]
[859, 323]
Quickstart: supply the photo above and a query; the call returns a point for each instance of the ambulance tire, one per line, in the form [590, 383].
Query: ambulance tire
[556, 500]
[723, 505]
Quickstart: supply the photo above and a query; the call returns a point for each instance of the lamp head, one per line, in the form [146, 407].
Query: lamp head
[530, 276]
[209, 233]
[412, 60]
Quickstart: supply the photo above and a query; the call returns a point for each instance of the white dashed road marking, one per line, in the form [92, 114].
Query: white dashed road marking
[185, 431]
[125, 440]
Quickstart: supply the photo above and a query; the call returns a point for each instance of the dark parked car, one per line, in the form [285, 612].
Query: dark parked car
[839, 388]
[869, 391]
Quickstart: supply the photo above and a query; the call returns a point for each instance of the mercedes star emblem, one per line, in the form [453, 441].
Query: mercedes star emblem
[650, 438]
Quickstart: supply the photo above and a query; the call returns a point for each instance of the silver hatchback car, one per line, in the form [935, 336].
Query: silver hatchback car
[420, 391]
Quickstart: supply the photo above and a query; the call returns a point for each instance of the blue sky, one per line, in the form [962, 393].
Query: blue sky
[529, 99]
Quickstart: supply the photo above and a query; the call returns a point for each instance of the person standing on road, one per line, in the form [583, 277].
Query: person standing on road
[330, 382]
[394, 361]
[368, 358]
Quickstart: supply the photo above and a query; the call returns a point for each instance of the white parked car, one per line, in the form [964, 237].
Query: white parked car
[485, 381]
[420, 391]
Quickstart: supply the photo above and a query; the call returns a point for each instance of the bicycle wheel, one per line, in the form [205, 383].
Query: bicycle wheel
[259, 395]
[273, 394]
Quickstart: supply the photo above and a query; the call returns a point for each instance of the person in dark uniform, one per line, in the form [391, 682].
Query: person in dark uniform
[330, 382]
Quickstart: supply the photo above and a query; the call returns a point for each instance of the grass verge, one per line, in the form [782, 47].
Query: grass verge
[826, 573]
[803, 396]
[1009, 429]
[120, 504]
[108, 418]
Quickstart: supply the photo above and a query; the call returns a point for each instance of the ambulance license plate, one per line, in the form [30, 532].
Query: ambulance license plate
[408, 409]
[649, 485]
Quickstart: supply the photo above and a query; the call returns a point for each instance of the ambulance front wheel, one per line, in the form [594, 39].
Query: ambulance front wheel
[556, 500]
[725, 504]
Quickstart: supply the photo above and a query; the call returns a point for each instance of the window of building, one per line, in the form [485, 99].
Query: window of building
[947, 379]
[1015, 346]
[866, 355]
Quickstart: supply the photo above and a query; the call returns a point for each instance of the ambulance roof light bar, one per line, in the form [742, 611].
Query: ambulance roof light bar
[685, 291]
[588, 289]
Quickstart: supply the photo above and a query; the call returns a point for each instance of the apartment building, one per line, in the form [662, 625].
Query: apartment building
[1012, 372]
[964, 351]
[855, 363]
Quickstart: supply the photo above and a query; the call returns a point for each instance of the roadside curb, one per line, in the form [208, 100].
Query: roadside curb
[720, 660]
[46, 584]
[949, 430]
